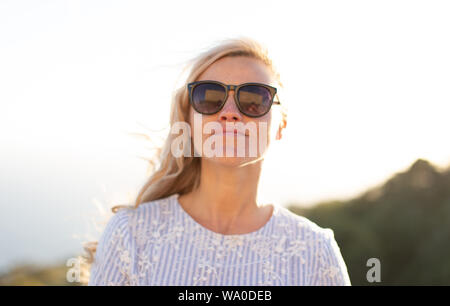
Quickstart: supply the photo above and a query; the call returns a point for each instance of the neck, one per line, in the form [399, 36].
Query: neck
[226, 196]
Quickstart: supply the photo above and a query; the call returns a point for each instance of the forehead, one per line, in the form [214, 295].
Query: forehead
[238, 70]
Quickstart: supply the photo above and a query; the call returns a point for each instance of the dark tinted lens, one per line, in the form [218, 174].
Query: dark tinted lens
[208, 98]
[255, 100]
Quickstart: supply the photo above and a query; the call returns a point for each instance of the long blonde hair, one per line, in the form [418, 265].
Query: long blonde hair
[182, 174]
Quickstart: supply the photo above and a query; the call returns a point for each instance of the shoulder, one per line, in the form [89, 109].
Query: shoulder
[152, 210]
[316, 247]
[128, 222]
[147, 216]
[300, 226]
[117, 226]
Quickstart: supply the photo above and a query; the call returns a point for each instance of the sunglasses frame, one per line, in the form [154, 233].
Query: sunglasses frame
[235, 88]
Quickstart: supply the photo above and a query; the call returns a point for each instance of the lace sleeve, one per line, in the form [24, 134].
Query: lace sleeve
[332, 270]
[112, 261]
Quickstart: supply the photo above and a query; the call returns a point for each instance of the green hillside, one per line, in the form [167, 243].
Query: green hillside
[405, 223]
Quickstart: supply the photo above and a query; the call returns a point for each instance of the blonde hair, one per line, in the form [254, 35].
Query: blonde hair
[182, 174]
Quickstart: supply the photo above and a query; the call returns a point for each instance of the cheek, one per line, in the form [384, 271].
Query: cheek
[199, 120]
[265, 123]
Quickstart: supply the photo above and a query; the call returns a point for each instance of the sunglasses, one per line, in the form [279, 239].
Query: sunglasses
[252, 99]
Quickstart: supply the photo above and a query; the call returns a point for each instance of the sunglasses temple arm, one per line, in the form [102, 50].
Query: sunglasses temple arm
[278, 100]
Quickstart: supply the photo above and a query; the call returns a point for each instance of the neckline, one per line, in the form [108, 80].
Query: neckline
[211, 232]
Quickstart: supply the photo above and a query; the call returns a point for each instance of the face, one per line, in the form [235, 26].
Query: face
[247, 145]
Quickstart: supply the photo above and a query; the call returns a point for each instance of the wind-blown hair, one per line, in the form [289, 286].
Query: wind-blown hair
[182, 174]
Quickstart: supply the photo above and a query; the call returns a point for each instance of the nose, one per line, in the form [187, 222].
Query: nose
[230, 111]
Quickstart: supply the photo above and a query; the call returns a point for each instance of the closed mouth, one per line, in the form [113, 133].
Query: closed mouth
[231, 133]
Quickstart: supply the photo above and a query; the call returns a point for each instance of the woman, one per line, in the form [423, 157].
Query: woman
[197, 221]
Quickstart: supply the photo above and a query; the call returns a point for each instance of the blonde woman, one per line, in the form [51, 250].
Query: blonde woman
[197, 220]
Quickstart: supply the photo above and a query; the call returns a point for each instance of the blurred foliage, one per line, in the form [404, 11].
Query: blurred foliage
[405, 223]
[31, 275]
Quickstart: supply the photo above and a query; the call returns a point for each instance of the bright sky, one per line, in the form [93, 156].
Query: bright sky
[367, 86]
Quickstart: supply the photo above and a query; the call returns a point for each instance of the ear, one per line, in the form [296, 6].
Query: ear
[282, 126]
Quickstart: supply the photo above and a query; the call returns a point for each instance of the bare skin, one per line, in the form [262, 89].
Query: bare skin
[225, 201]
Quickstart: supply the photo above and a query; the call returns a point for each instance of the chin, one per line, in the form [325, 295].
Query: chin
[227, 161]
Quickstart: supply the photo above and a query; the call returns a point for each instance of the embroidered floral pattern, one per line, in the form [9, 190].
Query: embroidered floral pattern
[202, 257]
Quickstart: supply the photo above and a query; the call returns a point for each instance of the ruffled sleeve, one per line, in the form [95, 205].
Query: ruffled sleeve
[112, 261]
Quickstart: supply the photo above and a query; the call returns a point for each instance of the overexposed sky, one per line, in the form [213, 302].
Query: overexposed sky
[366, 83]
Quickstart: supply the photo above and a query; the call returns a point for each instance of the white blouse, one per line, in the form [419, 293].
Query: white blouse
[159, 243]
